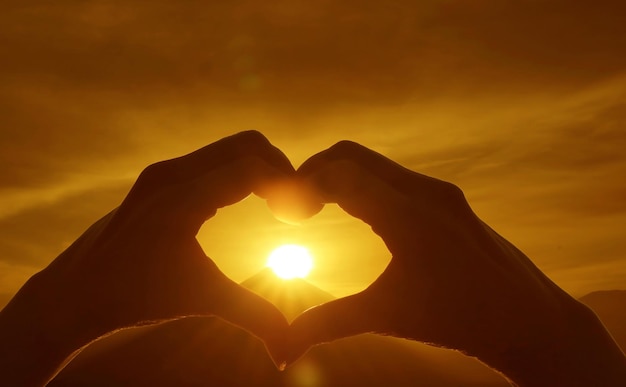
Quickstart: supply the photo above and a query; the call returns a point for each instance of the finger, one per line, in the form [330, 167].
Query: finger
[394, 174]
[427, 195]
[364, 196]
[245, 309]
[196, 164]
[181, 194]
[387, 170]
[333, 320]
[293, 200]
[191, 203]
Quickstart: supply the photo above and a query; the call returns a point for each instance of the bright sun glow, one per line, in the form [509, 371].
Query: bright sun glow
[290, 261]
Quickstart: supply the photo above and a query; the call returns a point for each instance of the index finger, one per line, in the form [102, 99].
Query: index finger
[196, 164]
[395, 175]
[219, 174]
[421, 190]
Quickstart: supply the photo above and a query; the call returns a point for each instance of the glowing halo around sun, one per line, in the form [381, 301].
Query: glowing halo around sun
[290, 261]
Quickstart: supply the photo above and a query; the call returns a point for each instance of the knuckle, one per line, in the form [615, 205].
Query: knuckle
[345, 147]
[249, 142]
[151, 178]
[155, 174]
[153, 171]
[452, 192]
[251, 138]
[453, 198]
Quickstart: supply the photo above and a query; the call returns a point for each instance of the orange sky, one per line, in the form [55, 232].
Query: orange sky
[523, 105]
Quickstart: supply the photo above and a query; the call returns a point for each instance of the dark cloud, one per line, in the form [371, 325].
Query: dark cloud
[365, 51]
[74, 72]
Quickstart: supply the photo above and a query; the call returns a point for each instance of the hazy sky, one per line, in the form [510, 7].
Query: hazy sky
[522, 104]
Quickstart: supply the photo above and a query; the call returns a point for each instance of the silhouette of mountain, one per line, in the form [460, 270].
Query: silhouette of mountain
[610, 306]
[209, 352]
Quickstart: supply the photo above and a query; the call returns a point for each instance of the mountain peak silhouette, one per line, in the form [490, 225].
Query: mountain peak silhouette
[292, 296]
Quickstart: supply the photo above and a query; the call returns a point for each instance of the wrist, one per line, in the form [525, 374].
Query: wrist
[575, 350]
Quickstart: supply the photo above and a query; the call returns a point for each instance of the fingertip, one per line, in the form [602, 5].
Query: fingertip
[293, 200]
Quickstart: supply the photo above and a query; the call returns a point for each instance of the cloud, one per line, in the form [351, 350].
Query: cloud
[47, 137]
[91, 80]
[521, 104]
[296, 52]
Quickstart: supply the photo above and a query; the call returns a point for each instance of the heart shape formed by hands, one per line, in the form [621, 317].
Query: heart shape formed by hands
[450, 275]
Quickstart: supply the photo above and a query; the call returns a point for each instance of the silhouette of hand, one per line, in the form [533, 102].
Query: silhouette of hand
[452, 281]
[141, 263]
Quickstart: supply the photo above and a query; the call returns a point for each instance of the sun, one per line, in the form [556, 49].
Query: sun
[290, 261]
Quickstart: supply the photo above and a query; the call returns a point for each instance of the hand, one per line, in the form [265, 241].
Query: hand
[452, 281]
[141, 263]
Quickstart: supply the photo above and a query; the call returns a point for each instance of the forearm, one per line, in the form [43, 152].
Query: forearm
[581, 353]
[38, 336]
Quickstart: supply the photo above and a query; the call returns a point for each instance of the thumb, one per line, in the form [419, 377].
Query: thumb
[255, 314]
[362, 195]
[333, 320]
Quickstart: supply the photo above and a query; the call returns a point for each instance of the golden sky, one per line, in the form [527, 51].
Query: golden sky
[522, 104]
